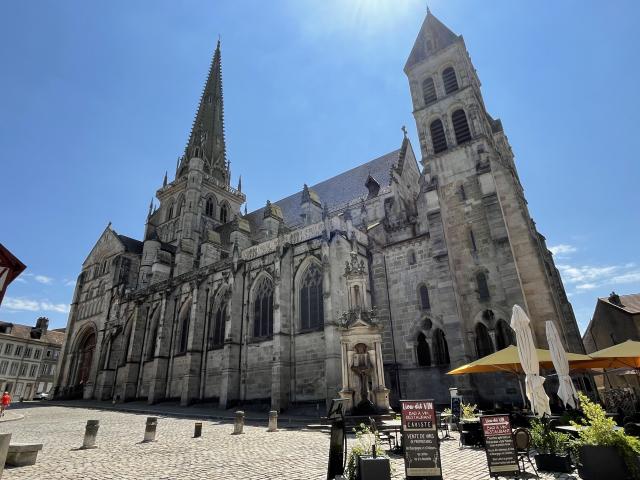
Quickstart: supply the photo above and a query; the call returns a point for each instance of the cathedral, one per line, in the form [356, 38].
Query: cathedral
[369, 286]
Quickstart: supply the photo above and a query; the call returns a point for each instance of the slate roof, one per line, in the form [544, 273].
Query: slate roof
[433, 36]
[630, 303]
[131, 244]
[55, 337]
[334, 192]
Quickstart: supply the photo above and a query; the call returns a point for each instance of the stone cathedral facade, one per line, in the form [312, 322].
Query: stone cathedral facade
[373, 283]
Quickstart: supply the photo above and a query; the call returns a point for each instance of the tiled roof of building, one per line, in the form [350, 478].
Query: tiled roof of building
[336, 191]
[629, 303]
[131, 244]
[55, 337]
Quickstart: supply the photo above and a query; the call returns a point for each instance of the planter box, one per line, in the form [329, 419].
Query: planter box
[597, 463]
[549, 462]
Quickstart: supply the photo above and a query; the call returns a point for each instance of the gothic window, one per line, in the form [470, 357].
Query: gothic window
[438, 138]
[311, 302]
[505, 336]
[483, 287]
[484, 345]
[450, 81]
[422, 351]
[263, 309]
[440, 348]
[180, 207]
[412, 257]
[216, 335]
[224, 213]
[429, 91]
[210, 207]
[423, 292]
[184, 332]
[472, 239]
[169, 212]
[460, 126]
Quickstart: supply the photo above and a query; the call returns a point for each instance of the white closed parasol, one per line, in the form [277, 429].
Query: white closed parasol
[534, 383]
[566, 391]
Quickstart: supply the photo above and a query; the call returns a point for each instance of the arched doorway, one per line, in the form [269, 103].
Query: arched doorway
[84, 356]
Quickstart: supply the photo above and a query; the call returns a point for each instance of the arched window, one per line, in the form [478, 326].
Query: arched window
[412, 257]
[450, 81]
[438, 138]
[423, 292]
[483, 287]
[422, 351]
[484, 345]
[216, 334]
[180, 206]
[184, 331]
[505, 336]
[460, 126]
[224, 213]
[429, 91]
[311, 301]
[263, 309]
[440, 348]
[210, 207]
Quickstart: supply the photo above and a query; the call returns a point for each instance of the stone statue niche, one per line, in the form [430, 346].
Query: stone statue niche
[363, 385]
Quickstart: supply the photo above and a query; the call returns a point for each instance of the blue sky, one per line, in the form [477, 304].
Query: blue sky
[97, 99]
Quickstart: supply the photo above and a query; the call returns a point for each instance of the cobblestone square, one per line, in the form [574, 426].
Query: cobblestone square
[296, 454]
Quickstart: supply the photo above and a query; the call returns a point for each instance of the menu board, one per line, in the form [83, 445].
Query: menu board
[420, 439]
[501, 452]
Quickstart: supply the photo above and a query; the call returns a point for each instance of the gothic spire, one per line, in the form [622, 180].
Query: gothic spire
[207, 134]
[434, 35]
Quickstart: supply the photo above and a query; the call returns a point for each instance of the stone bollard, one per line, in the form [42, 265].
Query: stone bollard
[197, 432]
[273, 421]
[150, 429]
[90, 433]
[5, 439]
[238, 424]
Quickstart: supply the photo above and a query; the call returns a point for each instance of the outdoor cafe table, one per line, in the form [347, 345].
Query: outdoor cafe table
[574, 430]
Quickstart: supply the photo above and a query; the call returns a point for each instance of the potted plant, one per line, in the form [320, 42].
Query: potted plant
[603, 450]
[552, 447]
[470, 431]
[365, 439]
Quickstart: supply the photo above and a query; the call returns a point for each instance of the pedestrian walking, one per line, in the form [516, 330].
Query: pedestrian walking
[6, 401]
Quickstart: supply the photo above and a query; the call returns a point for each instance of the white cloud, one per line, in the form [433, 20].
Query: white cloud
[562, 250]
[20, 280]
[628, 277]
[30, 305]
[586, 286]
[585, 273]
[70, 283]
[43, 279]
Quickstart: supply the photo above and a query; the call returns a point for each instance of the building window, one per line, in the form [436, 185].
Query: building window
[33, 370]
[179, 207]
[224, 213]
[216, 337]
[423, 292]
[56, 354]
[438, 138]
[483, 287]
[450, 81]
[3, 367]
[263, 309]
[412, 257]
[18, 351]
[422, 351]
[460, 126]
[48, 353]
[14, 368]
[36, 354]
[440, 348]
[169, 212]
[484, 345]
[27, 352]
[184, 332]
[429, 91]
[311, 299]
[472, 239]
[505, 336]
[210, 207]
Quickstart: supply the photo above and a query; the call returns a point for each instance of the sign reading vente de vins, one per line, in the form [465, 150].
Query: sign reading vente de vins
[420, 439]
[501, 452]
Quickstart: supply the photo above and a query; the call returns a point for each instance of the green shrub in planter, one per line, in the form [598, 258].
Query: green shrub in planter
[552, 447]
[598, 430]
[365, 439]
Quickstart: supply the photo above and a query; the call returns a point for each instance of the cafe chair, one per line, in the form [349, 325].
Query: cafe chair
[522, 442]
[443, 426]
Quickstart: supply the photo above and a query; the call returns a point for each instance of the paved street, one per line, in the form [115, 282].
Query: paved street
[295, 454]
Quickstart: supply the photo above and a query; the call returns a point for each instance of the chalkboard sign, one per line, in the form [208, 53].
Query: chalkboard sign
[420, 439]
[501, 452]
[456, 401]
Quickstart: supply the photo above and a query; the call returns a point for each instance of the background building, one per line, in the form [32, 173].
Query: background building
[214, 304]
[28, 358]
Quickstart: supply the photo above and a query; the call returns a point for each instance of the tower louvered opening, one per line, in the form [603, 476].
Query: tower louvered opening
[438, 137]
[450, 81]
[429, 91]
[460, 126]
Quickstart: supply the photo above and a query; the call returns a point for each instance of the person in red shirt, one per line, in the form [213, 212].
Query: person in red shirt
[6, 401]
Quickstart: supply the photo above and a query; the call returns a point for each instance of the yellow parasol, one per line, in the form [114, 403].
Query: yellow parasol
[507, 360]
[622, 355]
